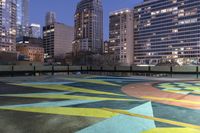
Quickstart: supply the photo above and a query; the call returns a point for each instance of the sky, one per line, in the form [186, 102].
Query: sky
[65, 10]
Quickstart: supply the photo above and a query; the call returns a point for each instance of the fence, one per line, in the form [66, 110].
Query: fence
[33, 70]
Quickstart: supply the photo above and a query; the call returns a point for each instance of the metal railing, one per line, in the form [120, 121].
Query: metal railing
[9, 70]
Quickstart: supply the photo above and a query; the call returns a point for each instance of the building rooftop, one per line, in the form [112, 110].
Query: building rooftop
[120, 11]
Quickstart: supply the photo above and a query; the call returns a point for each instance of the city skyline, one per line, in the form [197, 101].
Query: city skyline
[65, 10]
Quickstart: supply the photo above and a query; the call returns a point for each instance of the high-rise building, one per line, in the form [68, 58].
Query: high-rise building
[88, 26]
[167, 30]
[121, 36]
[8, 25]
[57, 40]
[35, 31]
[50, 18]
[22, 18]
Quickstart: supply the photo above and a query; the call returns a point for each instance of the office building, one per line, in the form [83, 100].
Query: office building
[35, 31]
[22, 18]
[121, 36]
[50, 18]
[57, 40]
[88, 26]
[167, 30]
[8, 21]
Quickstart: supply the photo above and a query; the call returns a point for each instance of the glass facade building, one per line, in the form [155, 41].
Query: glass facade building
[89, 26]
[22, 18]
[8, 25]
[35, 31]
[167, 30]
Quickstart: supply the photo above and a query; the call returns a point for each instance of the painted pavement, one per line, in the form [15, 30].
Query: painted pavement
[100, 104]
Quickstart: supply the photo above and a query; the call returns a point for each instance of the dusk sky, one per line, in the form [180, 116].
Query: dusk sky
[65, 10]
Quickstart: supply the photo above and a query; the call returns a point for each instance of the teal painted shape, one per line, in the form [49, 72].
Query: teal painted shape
[124, 123]
[178, 89]
[52, 104]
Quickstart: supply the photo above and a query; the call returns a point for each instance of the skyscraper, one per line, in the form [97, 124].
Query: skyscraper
[121, 36]
[35, 31]
[22, 18]
[88, 26]
[167, 30]
[8, 25]
[50, 18]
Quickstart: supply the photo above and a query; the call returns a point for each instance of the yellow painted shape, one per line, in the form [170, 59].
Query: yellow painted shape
[177, 91]
[155, 119]
[181, 83]
[172, 130]
[61, 96]
[166, 85]
[86, 112]
[69, 88]
[93, 81]
[194, 88]
[195, 92]
[171, 100]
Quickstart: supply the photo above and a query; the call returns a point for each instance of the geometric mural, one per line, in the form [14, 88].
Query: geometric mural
[100, 104]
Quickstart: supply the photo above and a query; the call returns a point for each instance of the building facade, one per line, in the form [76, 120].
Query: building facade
[50, 18]
[106, 47]
[167, 30]
[31, 52]
[35, 31]
[30, 49]
[8, 21]
[30, 40]
[88, 26]
[121, 36]
[22, 18]
[57, 40]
